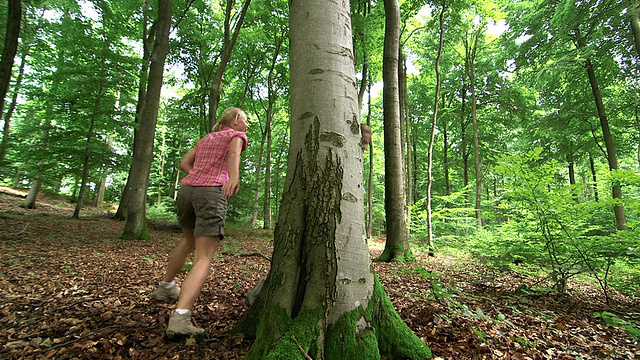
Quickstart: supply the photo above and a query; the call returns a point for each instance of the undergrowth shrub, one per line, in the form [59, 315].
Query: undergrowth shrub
[164, 211]
[548, 225]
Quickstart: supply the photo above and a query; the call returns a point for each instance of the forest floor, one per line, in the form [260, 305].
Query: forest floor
[71, 289]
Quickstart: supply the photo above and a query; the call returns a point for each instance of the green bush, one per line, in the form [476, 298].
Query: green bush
[164, 211]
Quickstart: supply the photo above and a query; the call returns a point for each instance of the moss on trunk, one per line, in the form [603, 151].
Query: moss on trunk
[396, 252]
[361, 333]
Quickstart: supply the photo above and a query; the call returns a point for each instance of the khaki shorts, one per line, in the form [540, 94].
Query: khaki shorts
[203, 209]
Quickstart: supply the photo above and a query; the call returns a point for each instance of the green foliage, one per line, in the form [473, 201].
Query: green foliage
[164, 212]
[549, 228]
[613, 320]
[452, 220]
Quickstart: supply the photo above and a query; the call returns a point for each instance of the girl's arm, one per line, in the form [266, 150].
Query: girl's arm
[232, 186]
[188, 160]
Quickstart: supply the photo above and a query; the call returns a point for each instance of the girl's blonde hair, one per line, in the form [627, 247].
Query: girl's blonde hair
[229, 116]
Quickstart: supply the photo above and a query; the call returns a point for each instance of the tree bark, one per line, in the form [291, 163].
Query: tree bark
[635, 24]
[397, 244]
[12, 106]
[321, 299]
[138, 182]
[12, 35]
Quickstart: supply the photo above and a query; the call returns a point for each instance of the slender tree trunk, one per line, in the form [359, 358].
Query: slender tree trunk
[370, 175]
[445, 157]
[572, 173]
[148, 36]
[177, 171]
[87, 153]
[471, 59]
[434, 123]
[228, 42]
[464, 147]
[256, 194]
[321, 299]
[592, 167]
[606, 134]
[32, 197]
[405, 120]
[266, 209]
[635, 30]
[163, 160]
[103, 181]
[397, 244]
[136, 224]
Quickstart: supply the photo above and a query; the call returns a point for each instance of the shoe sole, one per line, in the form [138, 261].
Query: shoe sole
[177, 336]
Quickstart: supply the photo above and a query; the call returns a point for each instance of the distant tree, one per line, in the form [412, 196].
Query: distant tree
[397, 244]
[138, 181]
[434, 123]
[232, 25]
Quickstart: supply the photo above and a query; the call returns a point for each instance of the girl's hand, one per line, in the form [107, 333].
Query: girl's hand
[231, 187]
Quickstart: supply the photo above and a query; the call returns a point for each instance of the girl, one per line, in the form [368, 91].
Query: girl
[212, 168]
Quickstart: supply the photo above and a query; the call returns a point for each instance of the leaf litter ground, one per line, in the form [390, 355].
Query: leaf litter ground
[71, 289]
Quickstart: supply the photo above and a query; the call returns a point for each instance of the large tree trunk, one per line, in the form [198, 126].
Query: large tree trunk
[397, 244]
[136, 225]
[321, 299]
[10, 47]
[12, 35]
[12, 107]
[635, 24]
[228, 42]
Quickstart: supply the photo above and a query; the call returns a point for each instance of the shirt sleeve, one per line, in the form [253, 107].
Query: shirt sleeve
[243, 136]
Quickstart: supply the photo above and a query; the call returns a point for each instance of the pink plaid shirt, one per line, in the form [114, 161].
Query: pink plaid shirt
[210, 166]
